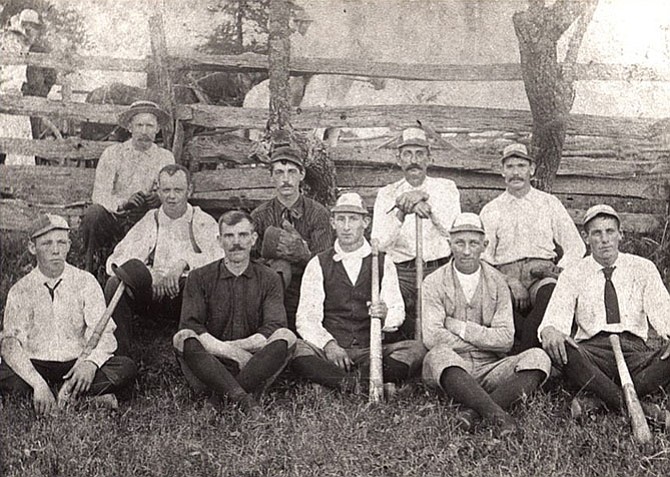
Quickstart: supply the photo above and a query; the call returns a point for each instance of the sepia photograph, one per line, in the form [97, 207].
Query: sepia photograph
[334, 238]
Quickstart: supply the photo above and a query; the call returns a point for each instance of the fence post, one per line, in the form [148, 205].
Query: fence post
[163, 86]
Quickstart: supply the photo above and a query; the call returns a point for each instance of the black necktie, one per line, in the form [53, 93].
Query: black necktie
[52, 290]
[611, 300]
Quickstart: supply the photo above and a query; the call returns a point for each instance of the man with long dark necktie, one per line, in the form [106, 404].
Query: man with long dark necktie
[604, 293]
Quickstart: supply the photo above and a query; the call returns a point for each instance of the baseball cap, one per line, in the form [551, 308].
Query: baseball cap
[516, 150]
[414, 137]
[46, 223]
[286, 153]
[29, 15]
[350, 202]
[467, 222]
[600, 209]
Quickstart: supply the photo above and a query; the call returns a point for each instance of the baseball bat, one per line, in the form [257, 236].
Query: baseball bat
[418, 331]
[64, 392]
[638, 421]
[376, 392]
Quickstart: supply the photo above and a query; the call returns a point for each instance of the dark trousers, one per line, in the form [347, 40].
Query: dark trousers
[100, 230]
[592, 367]
[525, 326]
[166, 309]
[115, 374]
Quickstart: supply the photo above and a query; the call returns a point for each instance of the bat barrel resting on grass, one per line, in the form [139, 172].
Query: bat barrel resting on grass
[638, 421]
[376, 392]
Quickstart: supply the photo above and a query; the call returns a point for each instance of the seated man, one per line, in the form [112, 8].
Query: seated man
[232, 337]
[602, 294]
[333, 316]
[172, 241]
[468, 327]
[125, 179]
[49, 316]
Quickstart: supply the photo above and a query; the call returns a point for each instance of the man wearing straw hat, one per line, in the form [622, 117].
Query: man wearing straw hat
[23, 30]
[334, 313]
[125, 179]
[49, 317]
[524, 226]
[468, 327]
[398, 205]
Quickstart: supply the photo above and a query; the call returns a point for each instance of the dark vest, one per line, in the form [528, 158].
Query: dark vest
[345, 309]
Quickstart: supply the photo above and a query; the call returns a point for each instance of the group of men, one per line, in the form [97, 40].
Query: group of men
[291, 285]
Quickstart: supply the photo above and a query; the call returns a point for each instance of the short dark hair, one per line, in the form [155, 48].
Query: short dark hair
[234, 217]
[172, 169]
[607, 216]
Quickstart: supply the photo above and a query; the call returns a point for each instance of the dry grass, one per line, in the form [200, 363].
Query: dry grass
[164, 430]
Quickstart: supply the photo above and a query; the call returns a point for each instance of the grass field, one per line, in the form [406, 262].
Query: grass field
[165, 431]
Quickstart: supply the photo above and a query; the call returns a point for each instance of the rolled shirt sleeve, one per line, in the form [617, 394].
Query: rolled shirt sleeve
[103, 186]
[385, 223]
[391, 296]
[560, 312]
[194, 306]
[656, 301]
[138, 243]
[206, 232]
[17, 315]
[274, 313]
[566, 234]
[309, 317]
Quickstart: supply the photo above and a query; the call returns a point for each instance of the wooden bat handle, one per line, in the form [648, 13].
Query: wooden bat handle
[376, 392]
[638, 421]
[418, 331]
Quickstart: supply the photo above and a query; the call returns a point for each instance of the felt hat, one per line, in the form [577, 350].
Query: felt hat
[414, 137]
[46, 223]
[600, 209]
[143, 106]
[350, 202]
[467, 222]
[516, 150]
[135, 274]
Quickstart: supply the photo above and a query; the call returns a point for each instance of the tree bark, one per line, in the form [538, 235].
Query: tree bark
[549, 85]
[279, 55]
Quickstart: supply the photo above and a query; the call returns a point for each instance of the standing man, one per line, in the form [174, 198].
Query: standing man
[171, 241]
[291, 228]
[523, 226]
[233, 339]
[396, 209]
[468, 327]
[49, 317]
[334, 314]
[125, 179]
[605, 293]
[23, 31]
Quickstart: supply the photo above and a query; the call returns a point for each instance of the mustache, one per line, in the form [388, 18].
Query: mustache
[236, 248]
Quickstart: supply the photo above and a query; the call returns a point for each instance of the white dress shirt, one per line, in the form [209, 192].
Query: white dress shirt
[580, 295]
[527, 227]
[58, 329]
[398, 239]
[123, 170]
[309, 317]
[173, 242]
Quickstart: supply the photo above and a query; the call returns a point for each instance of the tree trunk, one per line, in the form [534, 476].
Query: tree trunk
[550, 89]
[279, 55]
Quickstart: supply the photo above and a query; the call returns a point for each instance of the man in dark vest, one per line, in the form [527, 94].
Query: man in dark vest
[333, 317]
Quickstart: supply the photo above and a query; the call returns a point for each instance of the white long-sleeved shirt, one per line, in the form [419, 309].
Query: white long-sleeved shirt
[527, 227]
[580, 296]
[170, 241]
[123, 170]
[58, 329]
[309, 317]
[398, 239]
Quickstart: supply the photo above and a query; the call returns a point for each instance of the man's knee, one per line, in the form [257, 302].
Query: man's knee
[119, 370]
[436, 361]
[284, 334]
[534, 359]
[93, 217]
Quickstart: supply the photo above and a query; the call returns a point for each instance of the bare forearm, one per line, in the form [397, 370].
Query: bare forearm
[222, 349]
[17, 359]
[251, 344]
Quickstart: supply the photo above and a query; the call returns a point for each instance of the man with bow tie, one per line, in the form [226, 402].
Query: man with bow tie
[609, 292]
[333, 317]
[291, 228]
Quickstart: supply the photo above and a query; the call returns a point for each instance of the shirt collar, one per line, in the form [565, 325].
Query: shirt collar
[163, 218]
[39, 277]
[225, 273]
[595, 267]
[361, 252]
[507, 197]
[296, 211]
[129, 145]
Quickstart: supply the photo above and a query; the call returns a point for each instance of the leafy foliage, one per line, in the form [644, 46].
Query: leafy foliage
[245, 30]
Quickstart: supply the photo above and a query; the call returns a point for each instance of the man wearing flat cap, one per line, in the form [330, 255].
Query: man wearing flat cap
[291, 228]
[436, 201]
[609, 292]
[125, 179]
[50, 315]
[524, 226]
[468, 327]
[334, 313]
[23, 31]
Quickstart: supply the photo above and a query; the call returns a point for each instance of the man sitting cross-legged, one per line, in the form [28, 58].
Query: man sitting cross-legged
[609, 292]
[49, 317]
[232, 337]
[333, 316]
[468, 327]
